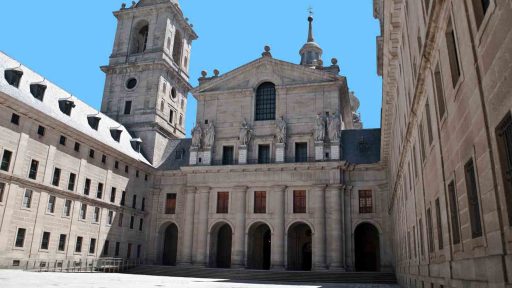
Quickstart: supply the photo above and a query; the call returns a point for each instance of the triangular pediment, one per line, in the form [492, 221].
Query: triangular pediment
[265, 69]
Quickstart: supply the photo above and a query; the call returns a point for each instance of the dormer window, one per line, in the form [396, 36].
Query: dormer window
[13, 77]
[94, 121]
[66, 106]
[37, 90]
[136, 144]
[116, 134]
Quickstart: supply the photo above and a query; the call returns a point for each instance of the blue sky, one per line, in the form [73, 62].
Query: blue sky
[67, 41]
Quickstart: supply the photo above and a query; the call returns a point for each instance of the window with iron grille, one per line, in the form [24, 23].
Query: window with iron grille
[51, 204]
[92, 246]
[365, 201]
[170, 203]
[27, 199]
[504, 135]
[67, 207]
[99, 192]
[105, 248]
[56, 177]
[20, 237]
[32, 174]
[473, 201]
[266, 102]
[263, 154]
[299, 201]
[78, 246]
[113, 195]
[222, 202]
[6, 160]
[71, 183]
[62, 242]
[228, 155]
[132, 221]
[260, 202]
[45, 241]
[87, 186]
[301, 152]
[83, 211]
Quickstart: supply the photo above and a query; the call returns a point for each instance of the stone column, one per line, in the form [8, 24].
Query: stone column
[239, 207]
[242, 154]
[317, 198]
[201, 227]
[280, 152]
[277, 204]
[188, 230]
[319, 150]
[333, 227]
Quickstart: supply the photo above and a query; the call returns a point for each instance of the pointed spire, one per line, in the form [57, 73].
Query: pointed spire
[310, 34]
[311, 53]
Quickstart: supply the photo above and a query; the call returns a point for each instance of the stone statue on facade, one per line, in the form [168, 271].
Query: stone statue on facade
[281, 130]
[245, 133]
[209, 138]
[334, 127]
[197, 133]
[319, 132]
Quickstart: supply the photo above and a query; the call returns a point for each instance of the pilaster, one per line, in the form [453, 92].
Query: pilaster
[278, 237]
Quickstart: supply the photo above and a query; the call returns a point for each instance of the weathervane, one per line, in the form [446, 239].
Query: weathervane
[310, 11]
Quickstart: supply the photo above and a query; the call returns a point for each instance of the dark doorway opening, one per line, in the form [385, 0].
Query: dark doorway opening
[170, 245]
[300, 247]
[220, 255]
[366, 240]
[259, 247]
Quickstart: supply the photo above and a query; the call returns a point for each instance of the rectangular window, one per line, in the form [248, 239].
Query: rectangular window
[110, 217]
[56, 177]
[129, 251]
[260, 202]
[87, 186]
[439, 225]
[67, 208]
[127, 107]
[132, 220]
[62, 140]
[116, 164]
[170, 203]
[141, 224]
[143, 205]
[504, 139]
[123, 198]
[45, 241]
[51, 204]
[103, 159]
[15, 119]
[77, 147]
[453, 54]
[480, 8]
[92, 246]
[99, 192]
[120, 220]
[228, 155]
[422, 247]
[429, 124]
[27, 199]
[91, 153]
[365, 201]
[2, 191]
[263, 154]
[299, 201]
[62, 242]
[134, 201]
[41, 130]
[71, 183]
[105, 248]
[34, 165]
[301, 152]
[430, 235]
[78, 245]
[20, 237]
[83, 211]
[422, 142]
[113, 195]
[126, 169]
[6, 160]
[139, 250]
[96, 215]
[222, 202]
[171, 116]
[438, 82]
[473, 201]
[118, 247]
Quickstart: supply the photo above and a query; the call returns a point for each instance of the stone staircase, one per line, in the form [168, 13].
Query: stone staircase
[267, 276]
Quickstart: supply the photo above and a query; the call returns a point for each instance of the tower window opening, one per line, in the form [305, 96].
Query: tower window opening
[140, 38]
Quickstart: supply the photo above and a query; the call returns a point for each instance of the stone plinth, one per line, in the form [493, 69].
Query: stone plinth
[280, 152]
[193, 156]
[335, 151]
[319, 151]
[242, 154]
[207, 157]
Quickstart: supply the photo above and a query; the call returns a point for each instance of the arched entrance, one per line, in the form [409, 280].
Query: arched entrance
[367, 251]
[170, 245]
[220, 246]
[299, 247]
[259, 247]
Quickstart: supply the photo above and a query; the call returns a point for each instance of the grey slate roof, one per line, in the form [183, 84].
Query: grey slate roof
[175, 147]
[361, 146]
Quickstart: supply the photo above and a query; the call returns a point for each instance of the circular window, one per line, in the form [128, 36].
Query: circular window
[131, 83]
[173, 93]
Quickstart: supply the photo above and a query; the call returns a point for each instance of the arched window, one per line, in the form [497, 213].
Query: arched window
[140, 38]
[266, 102]
[178, 47]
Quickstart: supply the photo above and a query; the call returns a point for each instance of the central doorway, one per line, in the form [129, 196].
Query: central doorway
[170, 245]
[220, 246]
[300, 247]
[259, 248]
[366, 239]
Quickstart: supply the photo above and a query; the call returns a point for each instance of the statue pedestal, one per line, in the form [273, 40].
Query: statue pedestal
[335, 151]
[242, 155]
[193, 156]
[319, 150]
[280, 152]
[206, 158]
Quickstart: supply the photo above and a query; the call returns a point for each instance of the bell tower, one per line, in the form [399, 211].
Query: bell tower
[146, 84]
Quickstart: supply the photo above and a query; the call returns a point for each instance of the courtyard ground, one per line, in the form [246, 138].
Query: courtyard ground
[22, 279]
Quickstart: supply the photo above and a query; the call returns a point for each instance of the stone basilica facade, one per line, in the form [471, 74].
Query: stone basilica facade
[279, 173]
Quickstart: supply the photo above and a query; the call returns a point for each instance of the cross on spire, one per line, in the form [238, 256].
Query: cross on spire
[310, 11]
